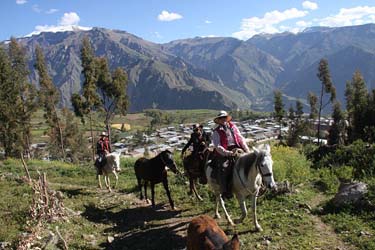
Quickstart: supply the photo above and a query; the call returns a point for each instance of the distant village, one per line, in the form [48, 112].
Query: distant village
[174, 138]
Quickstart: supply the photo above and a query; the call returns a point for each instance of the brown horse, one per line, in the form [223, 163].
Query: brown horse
[194, 168]
[154, 171]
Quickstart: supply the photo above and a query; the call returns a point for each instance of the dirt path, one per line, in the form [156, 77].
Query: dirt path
[332, 240]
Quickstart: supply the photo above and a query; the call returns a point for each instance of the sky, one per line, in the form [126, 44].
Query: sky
[162, 21]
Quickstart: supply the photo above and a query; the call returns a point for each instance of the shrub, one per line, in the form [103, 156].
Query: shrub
[290, 164]
[328, 181]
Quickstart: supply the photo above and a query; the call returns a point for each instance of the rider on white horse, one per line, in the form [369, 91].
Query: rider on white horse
[226, 137]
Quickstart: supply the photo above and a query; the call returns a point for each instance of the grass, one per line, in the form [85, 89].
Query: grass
[134, 225]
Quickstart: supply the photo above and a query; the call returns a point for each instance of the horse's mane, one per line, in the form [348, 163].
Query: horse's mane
[247, 160]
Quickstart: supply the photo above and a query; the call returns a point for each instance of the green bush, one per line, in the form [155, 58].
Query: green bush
[328, 181]
[290, 165]
[359, 155]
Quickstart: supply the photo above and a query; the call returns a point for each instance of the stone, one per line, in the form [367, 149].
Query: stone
[350, 193]
[110, 239]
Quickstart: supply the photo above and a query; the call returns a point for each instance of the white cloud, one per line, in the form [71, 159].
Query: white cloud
[21, 1]
[207, 22]
[309, 5]
[303, 24]
[350, 16]
[51, 11]
[70, 18]
[68, 22]
[36, 8]
[266, 24]
[157, 35]
[166, 16]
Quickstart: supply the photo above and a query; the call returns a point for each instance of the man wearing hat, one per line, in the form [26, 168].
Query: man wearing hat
[227, 137]
[102, 148]
[196, 139]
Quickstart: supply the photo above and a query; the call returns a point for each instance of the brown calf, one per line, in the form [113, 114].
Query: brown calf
[205, 234]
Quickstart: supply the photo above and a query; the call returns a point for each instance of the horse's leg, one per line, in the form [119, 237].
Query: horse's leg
[195, 191]
[191, 183]
[145, 188]
[109, 183]
[165, 184]
[152, 195]
[99, 182]
[116, 176]
[241, 201]
[140, 188]
[217, 215]
[254, 208]
[225, 211]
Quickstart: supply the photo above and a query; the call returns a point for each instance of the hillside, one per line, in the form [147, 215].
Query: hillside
[215, 73]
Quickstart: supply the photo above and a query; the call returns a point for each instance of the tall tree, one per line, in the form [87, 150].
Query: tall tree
[291, 113]
[357, 97]
[279, 109]
[326, 87]
[26, 102]
[8, 124]
[87, 103]
[49, 98]
[299, 109]
[313, 101]
[112, 91]
[337, 132]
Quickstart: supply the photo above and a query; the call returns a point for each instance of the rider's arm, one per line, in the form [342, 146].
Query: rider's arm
[187, 145]
[218, 147]
[241, 139]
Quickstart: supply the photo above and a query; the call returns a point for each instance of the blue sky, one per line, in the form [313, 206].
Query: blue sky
[165, 20]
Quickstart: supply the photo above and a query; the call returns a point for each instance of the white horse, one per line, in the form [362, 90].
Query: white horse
[111, 165]
[249, 172]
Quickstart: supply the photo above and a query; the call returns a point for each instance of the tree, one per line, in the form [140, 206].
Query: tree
[49, 98]
[326, 87]
[357, 98]
[8, 133]
[337, 131]
[291, 113]
[279, 109]
[85, 104]
[112, 91]
[313, 101]
[299, 109]
[25, 104]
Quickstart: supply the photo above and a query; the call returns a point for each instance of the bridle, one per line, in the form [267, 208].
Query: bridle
[259, 157]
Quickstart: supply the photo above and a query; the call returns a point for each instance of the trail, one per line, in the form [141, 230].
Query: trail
[332, 240]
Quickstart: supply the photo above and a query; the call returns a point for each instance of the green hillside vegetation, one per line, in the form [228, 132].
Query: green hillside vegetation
[288, 221]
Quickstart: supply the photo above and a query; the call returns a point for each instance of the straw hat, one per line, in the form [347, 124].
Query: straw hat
[222, 114]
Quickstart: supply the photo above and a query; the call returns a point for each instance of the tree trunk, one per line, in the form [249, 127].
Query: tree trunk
[60, 133]
[320, 111]
[92, 138]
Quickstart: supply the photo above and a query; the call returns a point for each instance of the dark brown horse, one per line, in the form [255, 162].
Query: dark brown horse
[153, 171]
[194, 168]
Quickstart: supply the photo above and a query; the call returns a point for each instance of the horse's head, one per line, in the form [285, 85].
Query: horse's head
[116, 157]
[167, 158]
[265, 165]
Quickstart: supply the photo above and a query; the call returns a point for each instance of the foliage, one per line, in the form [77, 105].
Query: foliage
[327, 180]
[290, 165]
[49, 98]
[337, 132]
[359, 155]
[18, 101]
[313, 101]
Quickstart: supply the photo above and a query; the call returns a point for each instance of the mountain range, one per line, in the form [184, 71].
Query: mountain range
[214, 73]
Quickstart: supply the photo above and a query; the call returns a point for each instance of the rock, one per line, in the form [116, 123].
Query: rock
[110, 239]
[350, 193]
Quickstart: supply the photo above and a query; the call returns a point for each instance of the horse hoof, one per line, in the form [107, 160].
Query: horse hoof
[200, 198]
[217, 216]
[259, 229]
[231, 223]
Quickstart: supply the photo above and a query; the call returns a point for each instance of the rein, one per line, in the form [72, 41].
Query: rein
[256, 163]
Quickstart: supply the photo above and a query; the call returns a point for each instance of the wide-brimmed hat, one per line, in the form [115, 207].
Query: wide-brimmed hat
[103, 134]
[195, 126]
[222, 114]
